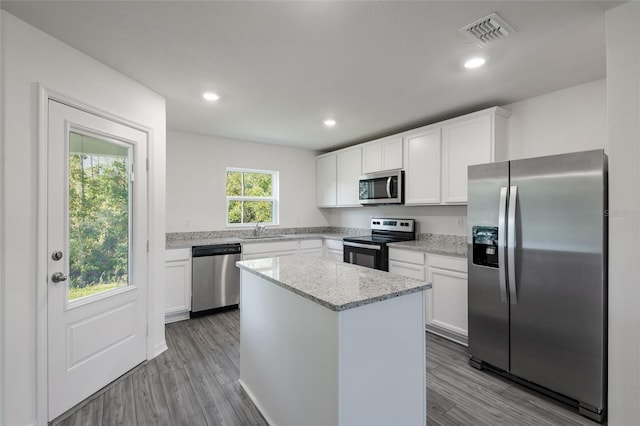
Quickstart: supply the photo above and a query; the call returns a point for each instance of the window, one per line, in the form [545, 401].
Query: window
[252, 197]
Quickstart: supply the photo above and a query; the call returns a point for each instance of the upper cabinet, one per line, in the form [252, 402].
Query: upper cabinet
[422, 172]
[437, 156]
[434, 158]
[383, 154]
[349, 171]
[475, 139]
[326, 175]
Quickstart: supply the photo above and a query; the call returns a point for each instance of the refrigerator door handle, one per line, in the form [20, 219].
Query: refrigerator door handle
[511, 244]
[502, 255]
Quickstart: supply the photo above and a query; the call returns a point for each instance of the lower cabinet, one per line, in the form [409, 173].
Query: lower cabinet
[281, 248]
[311, 247]
[271, 249]
[177, 290]
[448, 310]
[333, 250]
[446, 302]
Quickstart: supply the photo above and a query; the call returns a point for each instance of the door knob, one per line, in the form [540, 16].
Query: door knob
[59, 277]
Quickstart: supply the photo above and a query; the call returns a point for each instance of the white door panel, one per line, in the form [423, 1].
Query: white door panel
[96, 241]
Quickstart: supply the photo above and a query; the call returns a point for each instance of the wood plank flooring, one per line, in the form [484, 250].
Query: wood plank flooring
[195, 382]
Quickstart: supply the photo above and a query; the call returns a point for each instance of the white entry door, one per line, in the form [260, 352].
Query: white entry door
[97, 254]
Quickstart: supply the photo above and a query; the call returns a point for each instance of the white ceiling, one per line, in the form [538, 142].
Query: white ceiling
[281, 68]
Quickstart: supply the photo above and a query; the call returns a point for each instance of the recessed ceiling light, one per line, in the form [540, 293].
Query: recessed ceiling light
[474, 63]
[329, 122]
[210, 96]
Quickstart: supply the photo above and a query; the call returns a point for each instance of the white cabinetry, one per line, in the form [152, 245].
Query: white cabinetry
[326, 174]
[383, 154]
[177, 290]
[311, 247]
[333, 250]
[407, 263]
[476, 138]
[279, 248]
[349, 171]
[437, 156]
[422, 161]
[447, 308]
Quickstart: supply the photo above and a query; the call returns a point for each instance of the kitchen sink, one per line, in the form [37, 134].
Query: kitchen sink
[260, 237]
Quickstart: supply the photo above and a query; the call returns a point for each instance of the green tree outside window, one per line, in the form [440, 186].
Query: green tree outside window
[251, 196]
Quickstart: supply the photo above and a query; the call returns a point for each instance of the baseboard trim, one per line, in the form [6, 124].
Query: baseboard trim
[176, 316]
[159, 348]
[449, 335]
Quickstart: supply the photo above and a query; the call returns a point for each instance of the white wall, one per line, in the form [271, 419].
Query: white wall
[569, 120]
[433, 219]
[623, 102]
[196, 176]
[572, 119]
[32, 57]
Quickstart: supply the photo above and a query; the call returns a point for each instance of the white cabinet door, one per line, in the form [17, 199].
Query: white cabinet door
[385, 154]
[326, 174]
[392, 154]
[422, 171]
[333, 250]
[349, 171]
[407, 270]
[311, 247]
[464, 143]
[371, 158]
[177, 290]
[446, 305]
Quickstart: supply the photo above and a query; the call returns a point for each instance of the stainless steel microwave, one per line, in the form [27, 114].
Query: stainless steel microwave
[382, 188]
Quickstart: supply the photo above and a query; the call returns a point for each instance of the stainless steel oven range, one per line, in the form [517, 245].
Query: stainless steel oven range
[371, 250]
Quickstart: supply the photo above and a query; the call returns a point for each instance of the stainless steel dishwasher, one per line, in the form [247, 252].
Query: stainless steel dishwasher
[215, 278]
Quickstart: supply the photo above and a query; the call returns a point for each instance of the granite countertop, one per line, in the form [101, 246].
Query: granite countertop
[335, 285]
[443, 246]
[188, 243]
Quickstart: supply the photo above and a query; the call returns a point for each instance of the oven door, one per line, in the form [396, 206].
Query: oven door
[369, 255]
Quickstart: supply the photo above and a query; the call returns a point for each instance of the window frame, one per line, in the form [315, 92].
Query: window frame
[274, 199]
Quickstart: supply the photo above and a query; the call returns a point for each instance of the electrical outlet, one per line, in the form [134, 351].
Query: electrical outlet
[461, 222]
[188, 223]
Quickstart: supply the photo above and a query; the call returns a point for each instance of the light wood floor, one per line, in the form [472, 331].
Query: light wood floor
[195, 383]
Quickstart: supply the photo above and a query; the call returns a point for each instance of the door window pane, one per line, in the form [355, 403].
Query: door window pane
[99, 215]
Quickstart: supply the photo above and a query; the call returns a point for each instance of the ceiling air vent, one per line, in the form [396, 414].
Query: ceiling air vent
[487, 30]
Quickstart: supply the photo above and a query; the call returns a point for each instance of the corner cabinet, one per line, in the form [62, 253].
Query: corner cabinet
[177, 290]
[437, 156]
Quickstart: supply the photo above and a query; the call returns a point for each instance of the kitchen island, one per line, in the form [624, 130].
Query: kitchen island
[330, 343]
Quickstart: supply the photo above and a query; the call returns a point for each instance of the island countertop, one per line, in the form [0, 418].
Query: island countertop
[335, 285]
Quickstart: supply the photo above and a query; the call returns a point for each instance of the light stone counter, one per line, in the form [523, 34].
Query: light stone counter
[335, 285]
[450, 245]
[188, 243]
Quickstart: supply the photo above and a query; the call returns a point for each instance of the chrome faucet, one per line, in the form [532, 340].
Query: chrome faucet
[259, 228]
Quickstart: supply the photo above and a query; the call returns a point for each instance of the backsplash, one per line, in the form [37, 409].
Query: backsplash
[457, 243]
[450, 243]
[235, 233]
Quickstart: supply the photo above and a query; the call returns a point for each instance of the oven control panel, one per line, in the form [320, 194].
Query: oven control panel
[403, 225]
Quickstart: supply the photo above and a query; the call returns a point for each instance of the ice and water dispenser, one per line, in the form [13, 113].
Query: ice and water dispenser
[485, 246]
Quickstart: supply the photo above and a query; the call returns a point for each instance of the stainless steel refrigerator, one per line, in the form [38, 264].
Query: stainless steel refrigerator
[538, 274]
